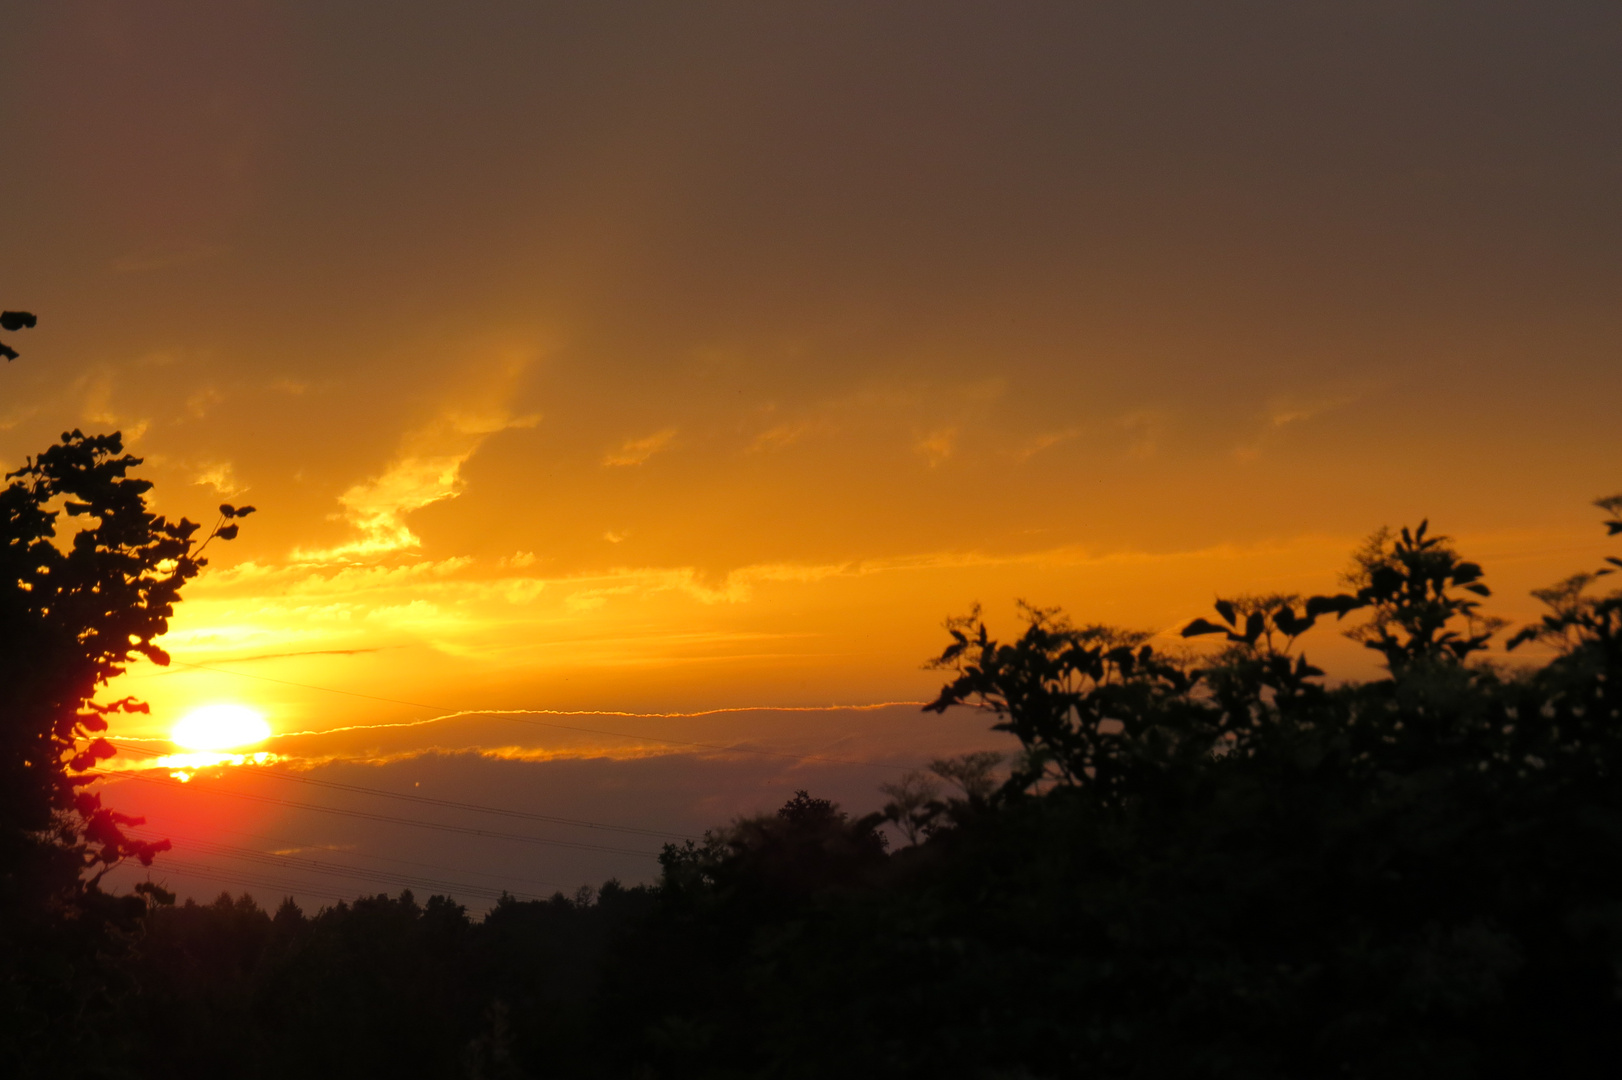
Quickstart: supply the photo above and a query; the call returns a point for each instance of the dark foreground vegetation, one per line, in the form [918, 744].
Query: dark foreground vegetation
[1212, 864]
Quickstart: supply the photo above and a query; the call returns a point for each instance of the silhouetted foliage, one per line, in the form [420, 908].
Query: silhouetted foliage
[14, 320]
[73, 612]
[1200, 865]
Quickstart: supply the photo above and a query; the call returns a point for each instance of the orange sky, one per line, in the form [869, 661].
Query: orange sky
[652, 359]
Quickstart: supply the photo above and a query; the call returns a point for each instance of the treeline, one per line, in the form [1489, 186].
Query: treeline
[1201, 865]
[382, 986]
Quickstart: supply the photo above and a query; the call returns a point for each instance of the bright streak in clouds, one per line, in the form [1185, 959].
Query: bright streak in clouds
[220, 727]
[427, 471]
[183, 767]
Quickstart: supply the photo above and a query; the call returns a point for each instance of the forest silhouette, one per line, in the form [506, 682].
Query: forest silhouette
[1202, 862]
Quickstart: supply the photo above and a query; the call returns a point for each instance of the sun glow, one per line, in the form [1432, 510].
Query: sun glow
[183, 767]
[220, 727]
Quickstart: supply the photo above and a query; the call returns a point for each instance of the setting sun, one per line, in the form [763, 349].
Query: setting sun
[220, 727]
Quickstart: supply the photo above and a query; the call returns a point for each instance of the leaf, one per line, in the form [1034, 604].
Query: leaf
[1339, 604]
[1479, 590]
[227, 511]
[1203, 626]
[17, 320]
[1225, 609]
[227, 532]
[1286, 621]
[244, 511]
[1254, 627]
[8, 352]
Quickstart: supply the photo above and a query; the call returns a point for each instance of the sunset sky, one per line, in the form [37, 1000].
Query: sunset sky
[612, 366]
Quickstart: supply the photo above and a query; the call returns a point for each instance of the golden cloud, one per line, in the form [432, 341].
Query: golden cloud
[221, 478]
[428, 471]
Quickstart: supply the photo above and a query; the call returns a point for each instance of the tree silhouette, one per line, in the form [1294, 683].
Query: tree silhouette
[74, 610]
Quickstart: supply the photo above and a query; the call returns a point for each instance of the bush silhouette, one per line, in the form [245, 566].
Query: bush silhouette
[1206, 864]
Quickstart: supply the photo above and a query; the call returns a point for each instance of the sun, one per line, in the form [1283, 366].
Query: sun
[220, 727]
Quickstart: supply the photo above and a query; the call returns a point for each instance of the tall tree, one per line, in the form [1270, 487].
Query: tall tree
[74, 610]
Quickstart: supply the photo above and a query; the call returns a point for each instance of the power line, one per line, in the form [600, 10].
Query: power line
[314, 865]
[388, 818]
[160, 834]
[427, 800]
[334, 870]
[250, 879]
[319, 866]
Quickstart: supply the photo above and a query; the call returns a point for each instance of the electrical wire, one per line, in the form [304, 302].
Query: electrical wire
[501, 878]
[330, 869]
[251, 880]
[387, 818]
[427, 800]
